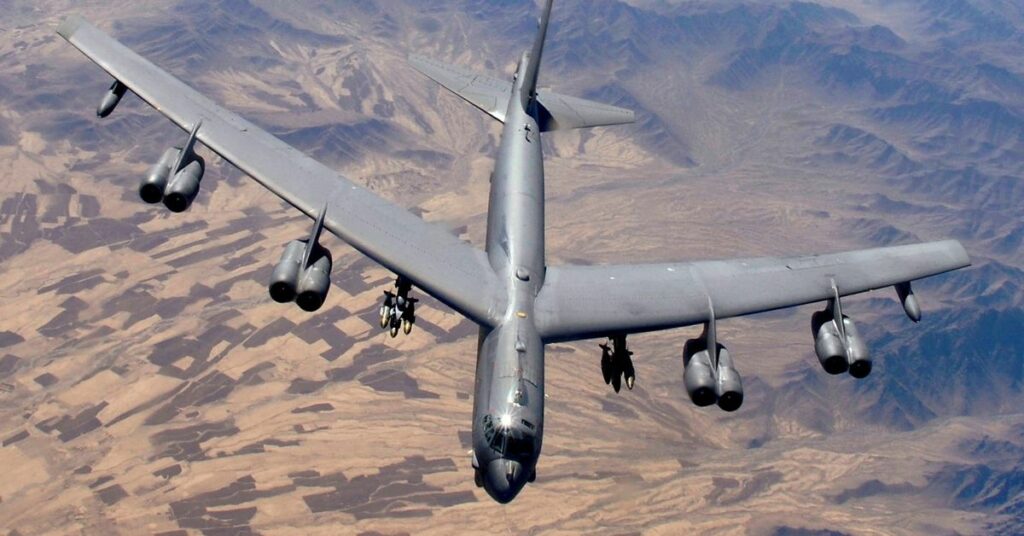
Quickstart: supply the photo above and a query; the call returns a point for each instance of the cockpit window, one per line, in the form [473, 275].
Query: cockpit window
[518, 447]
[507, 441]
[507, 444]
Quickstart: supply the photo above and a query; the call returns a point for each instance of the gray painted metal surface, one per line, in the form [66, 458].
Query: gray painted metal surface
[519, 302]
[636, 299]
[381, 230]
[491, 95]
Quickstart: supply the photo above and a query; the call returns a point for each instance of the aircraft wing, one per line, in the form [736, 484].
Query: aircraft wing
[436, 261]
[582, 302]
[487, 93]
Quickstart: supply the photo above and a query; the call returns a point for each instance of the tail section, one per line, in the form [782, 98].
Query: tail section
[537, 52]
[492, 95]
[561, 112]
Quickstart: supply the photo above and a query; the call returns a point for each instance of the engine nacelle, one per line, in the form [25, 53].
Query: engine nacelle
[828, 343]
[284, 281]
[111, 99]
[707, 386]
[729, 385]
[315, 281]
[836, 354]
[184, 188]
[308, 287]
[151, 190]
[909, 301]
[698, 374]
[858, 355]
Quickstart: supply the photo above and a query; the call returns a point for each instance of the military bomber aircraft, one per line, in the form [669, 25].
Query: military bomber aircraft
[520, 303]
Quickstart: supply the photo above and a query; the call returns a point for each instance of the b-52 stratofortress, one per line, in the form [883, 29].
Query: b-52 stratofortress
[519, 302]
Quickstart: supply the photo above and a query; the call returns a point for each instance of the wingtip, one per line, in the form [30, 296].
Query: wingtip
[70, 25]
[416, 61]
[957, 253]
[415, 58]
[962, 254]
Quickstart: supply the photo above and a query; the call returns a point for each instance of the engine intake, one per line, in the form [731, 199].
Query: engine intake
[315, 281]
[698, 374]
[838, 353]
[284, 280]
[708, 385]
[858, 355]
[730, 385]
[182, 191]
[307, 287]
[151, 190]
[178, 193]
[828, 343]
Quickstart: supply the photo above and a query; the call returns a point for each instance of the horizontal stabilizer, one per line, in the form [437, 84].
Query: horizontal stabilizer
[487, 93]
[492, 95]
[561, 112]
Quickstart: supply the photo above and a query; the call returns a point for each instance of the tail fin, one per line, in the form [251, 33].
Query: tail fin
[491, 95]
[537, 52]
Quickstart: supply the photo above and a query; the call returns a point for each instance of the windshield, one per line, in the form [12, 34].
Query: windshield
[508, 441]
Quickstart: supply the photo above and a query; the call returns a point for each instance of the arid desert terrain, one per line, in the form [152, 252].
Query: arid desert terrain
[148, 384]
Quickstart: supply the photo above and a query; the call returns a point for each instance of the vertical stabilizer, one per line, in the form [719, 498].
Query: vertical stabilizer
[533, 66]
[491, 95]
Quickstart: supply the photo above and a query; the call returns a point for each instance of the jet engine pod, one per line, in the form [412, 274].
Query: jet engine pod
[184, 188]
[858, 355]
[828, 343]
[284, 281]
[909, 301]
[111, 99]
[151, 190]
[698, 375]
[729, 385]
[315, 282]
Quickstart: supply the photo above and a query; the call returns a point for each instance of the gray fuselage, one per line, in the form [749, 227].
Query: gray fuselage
[508, 412]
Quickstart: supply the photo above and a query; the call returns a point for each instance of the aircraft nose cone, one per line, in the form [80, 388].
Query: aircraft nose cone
[504, 479]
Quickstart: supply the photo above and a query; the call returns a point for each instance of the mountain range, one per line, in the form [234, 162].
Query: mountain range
[149, 385]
